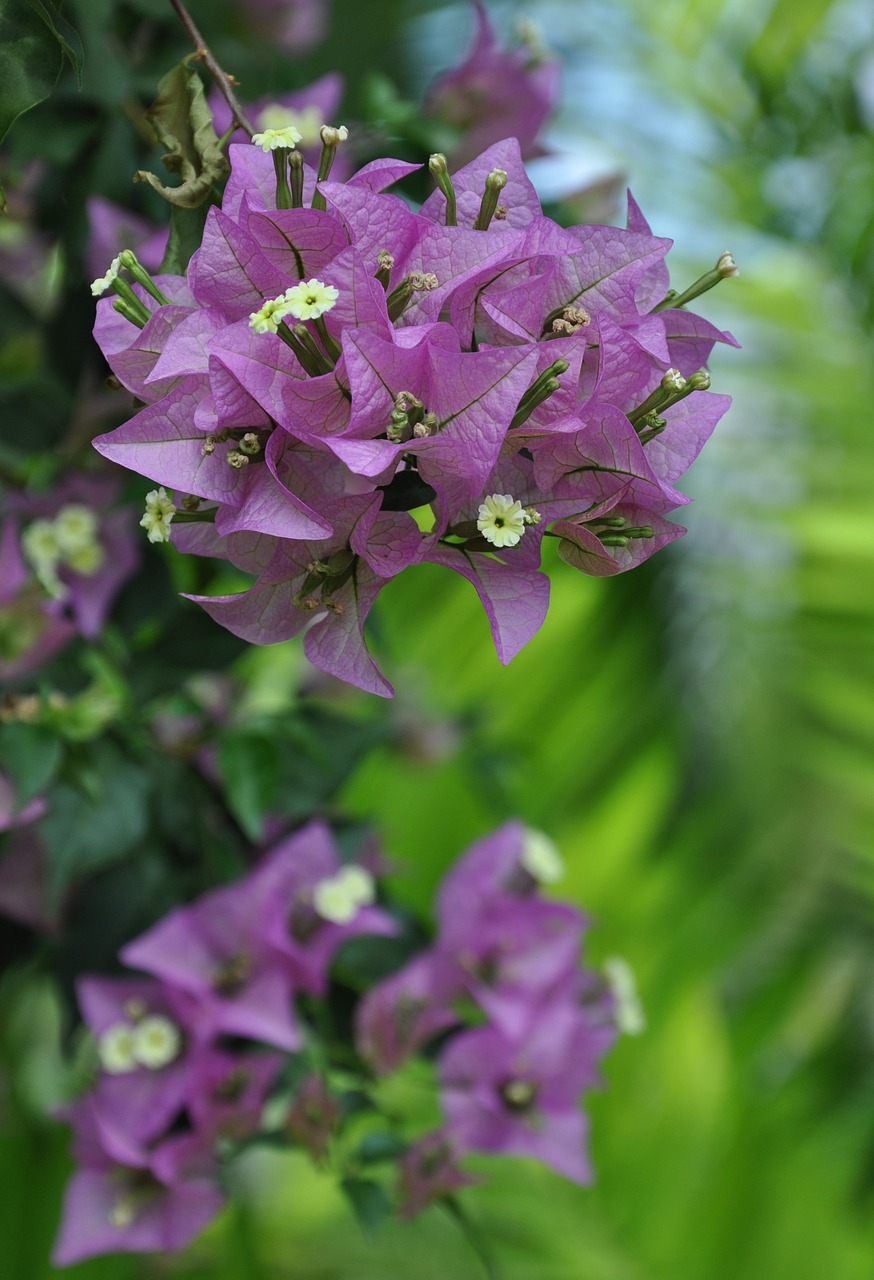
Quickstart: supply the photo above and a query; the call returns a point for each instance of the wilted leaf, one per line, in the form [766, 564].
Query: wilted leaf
[182, 121]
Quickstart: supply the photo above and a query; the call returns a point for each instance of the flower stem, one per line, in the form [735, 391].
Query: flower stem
[223, 81]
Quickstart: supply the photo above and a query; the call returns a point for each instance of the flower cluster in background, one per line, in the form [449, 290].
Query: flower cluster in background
[507, 961]
[66, 553]
[342, 388]
[205, 1052]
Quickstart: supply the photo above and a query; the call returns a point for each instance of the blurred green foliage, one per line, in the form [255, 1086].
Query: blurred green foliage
[697, 738]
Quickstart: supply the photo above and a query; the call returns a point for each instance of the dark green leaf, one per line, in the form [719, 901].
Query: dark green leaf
[30, 63]
[186, 233]
[96, 820]
[250, 768]
[369, 1201]
[66, 35]
[375, 1148]
[29, 756]
[182, 121]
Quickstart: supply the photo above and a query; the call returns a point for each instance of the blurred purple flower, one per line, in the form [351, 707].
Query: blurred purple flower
[520, 1095]
[496, 91]
[297, 26]
[119, 1201]
[112, 228]
[66, 554]
[429, 1171]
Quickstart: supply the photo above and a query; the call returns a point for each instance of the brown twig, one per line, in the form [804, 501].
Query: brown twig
[221, 78]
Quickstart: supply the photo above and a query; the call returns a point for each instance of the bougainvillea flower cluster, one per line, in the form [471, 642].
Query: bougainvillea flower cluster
[66, 554]
[512, 1082]
[342, 388]
[223, 1040]
[188, 1055]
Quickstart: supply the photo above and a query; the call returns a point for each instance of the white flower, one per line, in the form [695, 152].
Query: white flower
[158, 514]
[628, 1011]
[270, 139]
[331, 136]
[156, 1041]
[540, 858]
[115, 1048]
[271, 315]
[86, 560]
[501, 520]
[310, 299]
[102, 284]
[75, 527]
[40, 545]
[341, 896]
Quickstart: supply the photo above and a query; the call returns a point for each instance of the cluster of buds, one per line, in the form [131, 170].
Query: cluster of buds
[223, 1040]
[448, 385]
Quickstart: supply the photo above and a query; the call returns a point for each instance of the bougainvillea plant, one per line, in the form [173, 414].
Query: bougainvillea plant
[333, 372]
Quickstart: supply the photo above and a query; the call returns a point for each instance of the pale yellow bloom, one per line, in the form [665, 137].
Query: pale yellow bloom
[310, 299]
[341, 896]
[270, 139]
[501, 520]
[156, 1041]
[158, 514]
[540, 857]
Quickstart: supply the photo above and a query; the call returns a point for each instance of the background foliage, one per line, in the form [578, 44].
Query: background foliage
[697, 736]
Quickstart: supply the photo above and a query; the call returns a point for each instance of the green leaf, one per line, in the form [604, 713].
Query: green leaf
[96, 820]
[375, 1148]
[182, 121]
[66, 35]
[29, 756]
[186, 233]
[250, 769]
[30, 63]
[369, 1202]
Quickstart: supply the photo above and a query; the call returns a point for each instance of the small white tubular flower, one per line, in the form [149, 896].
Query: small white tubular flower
[115, 1049]
[310, 299]
[75, 528]
[332, 136]
[270, 139]
[156, 1041]
[158, 514]
[630, 1018]
[103, 282]
[40, 545]
[123, 1213]
[341, 896]
[271, 315]
[86, 560]
[501, 520]
[540, 857]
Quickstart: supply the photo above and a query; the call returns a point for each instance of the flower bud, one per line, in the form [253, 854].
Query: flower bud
[726, 266]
